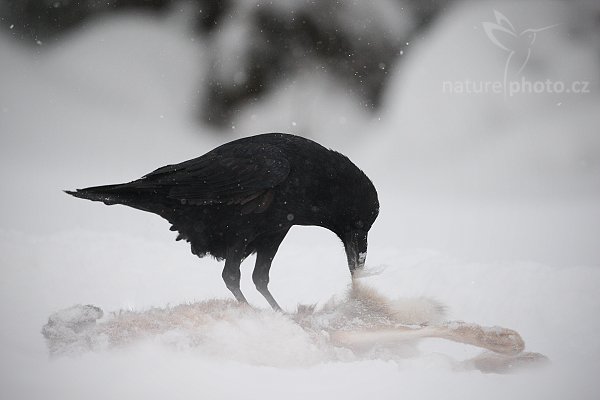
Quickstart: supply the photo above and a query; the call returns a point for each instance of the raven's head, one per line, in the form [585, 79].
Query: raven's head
[356, 215]
[344, 200]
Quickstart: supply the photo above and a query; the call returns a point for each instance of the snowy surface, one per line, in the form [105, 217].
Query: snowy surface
[488, 206]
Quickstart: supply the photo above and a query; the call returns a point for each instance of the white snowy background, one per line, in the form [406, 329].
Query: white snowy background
[489, 205]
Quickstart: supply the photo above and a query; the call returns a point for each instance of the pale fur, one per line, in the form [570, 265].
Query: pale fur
[343, 329]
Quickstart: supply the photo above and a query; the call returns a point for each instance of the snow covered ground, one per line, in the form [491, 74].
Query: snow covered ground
[488, 205]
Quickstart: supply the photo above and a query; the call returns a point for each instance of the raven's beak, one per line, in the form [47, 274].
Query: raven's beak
[355, 243]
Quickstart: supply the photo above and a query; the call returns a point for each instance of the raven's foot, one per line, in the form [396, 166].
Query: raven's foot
[269, 297]
[239, 296]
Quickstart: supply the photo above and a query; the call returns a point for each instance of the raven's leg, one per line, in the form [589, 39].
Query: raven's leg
[231, 272]
[266, 249]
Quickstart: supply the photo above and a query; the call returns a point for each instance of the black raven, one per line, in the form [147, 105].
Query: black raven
[244, 196]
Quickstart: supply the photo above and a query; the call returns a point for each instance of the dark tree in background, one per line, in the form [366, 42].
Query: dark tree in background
[357, 42]
[45, 19]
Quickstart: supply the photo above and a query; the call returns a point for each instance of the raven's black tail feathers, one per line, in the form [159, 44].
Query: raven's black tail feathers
[108, 194]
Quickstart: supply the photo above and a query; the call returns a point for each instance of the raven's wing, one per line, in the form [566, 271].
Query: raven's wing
[240, 173]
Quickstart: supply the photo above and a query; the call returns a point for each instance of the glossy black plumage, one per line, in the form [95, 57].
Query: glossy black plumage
[244, 196]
